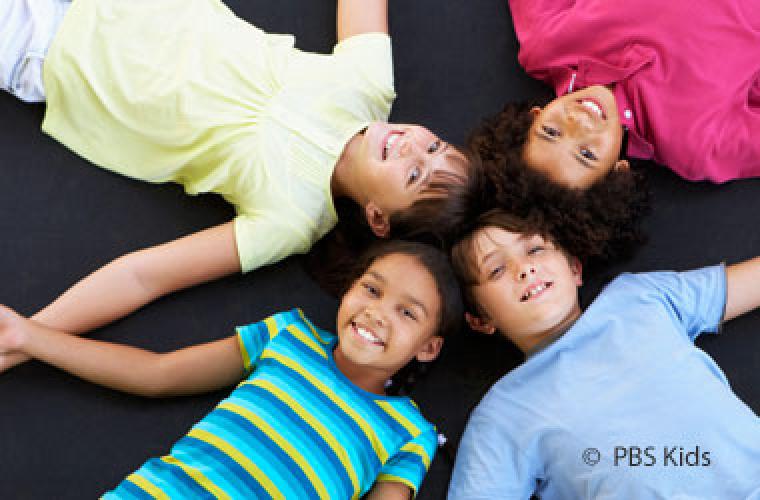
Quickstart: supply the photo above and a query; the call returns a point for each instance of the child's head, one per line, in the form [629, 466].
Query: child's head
[577, 138]
[600, 223]
[517, 280]
[403, 173]
[403, 301]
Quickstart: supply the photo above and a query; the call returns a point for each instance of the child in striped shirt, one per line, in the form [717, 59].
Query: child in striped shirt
[311, 419]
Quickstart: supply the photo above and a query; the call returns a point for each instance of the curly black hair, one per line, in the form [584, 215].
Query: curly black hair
[598, 225]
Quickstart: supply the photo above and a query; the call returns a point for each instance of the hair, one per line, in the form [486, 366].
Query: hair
[599, 224]
[451, 314]
[434, 219]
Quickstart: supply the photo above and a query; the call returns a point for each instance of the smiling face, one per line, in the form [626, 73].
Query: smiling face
[526, 288]
[576, 138]
[388, 317]
[394, 166]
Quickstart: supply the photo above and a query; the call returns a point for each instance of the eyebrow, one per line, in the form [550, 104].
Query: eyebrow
[550, 139]
[379, 277]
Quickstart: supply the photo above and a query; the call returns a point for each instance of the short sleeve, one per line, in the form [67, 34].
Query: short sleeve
[695, 299]
[265, 238]
[412, 461]
[253, 338]
[370, 58]
[488, 465]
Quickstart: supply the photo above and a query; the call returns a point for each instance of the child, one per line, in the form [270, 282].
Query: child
[311, 419]
[688, 93]
[185, 91]
[613, 402]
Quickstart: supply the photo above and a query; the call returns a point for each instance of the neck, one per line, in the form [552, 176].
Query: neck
[342, 183]
[369, 380]
[535, 343]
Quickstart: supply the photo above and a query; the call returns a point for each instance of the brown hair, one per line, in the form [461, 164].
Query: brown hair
[434, 219]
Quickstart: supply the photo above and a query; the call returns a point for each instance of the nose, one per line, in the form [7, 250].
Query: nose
[374, 317]
[525, 271]
[576, 119]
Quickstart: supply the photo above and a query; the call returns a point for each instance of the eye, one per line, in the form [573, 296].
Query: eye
[550, 131]
[414, 175]
[496, 272]
[434, 146]
[408, 313]
[588, 154]
[371, 289]
[535, 249]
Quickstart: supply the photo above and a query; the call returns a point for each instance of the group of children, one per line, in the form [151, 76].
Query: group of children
[298, 144]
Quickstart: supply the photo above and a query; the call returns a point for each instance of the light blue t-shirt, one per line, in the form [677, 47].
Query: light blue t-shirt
[623, 405]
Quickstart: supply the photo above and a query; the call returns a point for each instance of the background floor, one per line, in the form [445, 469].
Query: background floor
[60, 219]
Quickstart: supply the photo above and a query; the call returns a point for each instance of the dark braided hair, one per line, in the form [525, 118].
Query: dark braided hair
[598, 224]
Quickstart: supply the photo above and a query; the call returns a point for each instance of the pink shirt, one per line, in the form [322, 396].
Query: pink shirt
[685, 73]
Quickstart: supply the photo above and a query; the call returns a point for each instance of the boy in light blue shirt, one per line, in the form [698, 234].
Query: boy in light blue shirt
[613, 402]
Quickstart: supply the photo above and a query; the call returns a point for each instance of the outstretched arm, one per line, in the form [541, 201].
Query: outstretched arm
[742, 288]
[192, 370]
[129, 282]
[361, 16]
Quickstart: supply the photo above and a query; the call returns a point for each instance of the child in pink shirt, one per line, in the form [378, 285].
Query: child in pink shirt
[681, 77]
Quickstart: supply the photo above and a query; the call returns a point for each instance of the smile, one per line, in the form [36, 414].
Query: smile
[594, 106]
[390, 140]
[366, 334]
[535, 290]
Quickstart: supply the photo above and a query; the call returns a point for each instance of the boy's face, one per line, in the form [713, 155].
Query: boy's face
[527, 287]
[576, 139]
[389, 316]
[395, 166]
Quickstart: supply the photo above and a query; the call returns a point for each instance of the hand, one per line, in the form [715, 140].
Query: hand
[13, 331]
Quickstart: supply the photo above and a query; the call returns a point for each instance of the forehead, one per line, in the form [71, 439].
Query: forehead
[404, 275]
[489, 239]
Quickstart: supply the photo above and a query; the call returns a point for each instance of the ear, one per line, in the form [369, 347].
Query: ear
[479, 324]
[621, 165]
[430, 350]
[378, 221]
[535, 111]
[577, 268]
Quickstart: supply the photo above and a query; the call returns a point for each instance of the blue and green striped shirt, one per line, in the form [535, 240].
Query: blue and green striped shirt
[296, 428]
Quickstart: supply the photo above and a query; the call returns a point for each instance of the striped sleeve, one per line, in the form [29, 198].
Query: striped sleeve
[410, 464]
[253, 338]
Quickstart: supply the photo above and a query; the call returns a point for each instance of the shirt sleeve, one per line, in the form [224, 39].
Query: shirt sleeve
[489, 465]
[369, 58]
[696, 299]
[264, 239]
[253, 338]
[412, 461]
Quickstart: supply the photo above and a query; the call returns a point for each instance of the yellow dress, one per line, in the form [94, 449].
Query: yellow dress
[185, 91]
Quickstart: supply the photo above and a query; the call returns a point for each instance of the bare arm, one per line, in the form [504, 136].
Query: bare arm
[742, 288]
[361, 16]
[191, 370]
[384, 490]
[129, 282]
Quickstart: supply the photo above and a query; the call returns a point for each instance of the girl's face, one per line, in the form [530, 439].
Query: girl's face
[576, 138]
[395, 165]
[389, 317]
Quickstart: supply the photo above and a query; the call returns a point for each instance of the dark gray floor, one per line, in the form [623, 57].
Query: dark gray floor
[61, 218]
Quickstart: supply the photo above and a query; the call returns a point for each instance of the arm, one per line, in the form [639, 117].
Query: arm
[129, 282]
[361, 16]
[191, 370]
[383, 490]
[742, 290]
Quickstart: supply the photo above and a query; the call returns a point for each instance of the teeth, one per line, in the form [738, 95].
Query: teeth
[534, 291]
[367, 335]
[389, 143]
[592, 106]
